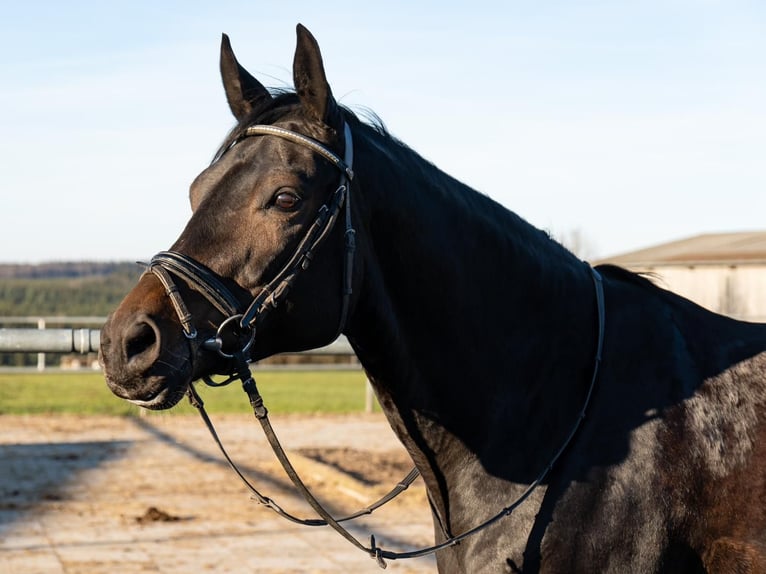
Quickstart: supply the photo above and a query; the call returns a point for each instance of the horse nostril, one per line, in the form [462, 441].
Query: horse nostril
[141, 338]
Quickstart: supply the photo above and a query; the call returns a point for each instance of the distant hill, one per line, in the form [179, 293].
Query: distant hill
[67, 269]
[65, 288]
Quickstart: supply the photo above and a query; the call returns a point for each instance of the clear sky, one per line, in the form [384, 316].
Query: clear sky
[630, 123]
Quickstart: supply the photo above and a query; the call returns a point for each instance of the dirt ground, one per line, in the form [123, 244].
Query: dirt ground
[94, 494]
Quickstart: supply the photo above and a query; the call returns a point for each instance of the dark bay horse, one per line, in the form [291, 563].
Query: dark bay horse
[481, 335]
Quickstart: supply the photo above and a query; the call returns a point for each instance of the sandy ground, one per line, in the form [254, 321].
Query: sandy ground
[153, 494]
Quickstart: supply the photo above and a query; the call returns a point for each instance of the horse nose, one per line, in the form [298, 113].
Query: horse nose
[128, 351]
[141, 344]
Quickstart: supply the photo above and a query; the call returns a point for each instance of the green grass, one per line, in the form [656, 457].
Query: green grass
[87, 393]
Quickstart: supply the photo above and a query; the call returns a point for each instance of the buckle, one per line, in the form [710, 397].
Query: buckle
[231, 338]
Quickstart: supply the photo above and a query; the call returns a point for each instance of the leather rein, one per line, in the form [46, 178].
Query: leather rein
[236, 334]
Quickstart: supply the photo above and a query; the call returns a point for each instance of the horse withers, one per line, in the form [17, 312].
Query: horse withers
[608, 425]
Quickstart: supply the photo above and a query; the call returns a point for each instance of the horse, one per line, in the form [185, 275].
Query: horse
[607, 424]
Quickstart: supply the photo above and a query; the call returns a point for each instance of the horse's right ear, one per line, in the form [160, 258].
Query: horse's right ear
[311, 82]
[243, 91]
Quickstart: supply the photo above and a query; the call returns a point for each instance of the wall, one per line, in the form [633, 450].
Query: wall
[735, 290]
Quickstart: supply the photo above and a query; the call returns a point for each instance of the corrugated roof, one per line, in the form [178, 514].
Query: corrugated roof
[744, 248]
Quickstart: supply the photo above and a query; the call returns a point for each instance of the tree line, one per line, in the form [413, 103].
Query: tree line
[61, 289]
[65, 289]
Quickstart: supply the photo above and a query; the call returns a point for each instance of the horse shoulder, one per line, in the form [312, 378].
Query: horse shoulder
[721, 477]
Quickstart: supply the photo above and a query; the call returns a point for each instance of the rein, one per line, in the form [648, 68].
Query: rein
[262, 415]
[236, 334]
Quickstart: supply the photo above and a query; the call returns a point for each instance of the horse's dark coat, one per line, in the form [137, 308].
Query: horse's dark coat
[479, 335]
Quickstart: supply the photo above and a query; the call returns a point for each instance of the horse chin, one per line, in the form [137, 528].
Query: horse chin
[154, 392]
[167, 398]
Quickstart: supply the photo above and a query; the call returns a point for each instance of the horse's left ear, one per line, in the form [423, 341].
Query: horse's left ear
[311, 83]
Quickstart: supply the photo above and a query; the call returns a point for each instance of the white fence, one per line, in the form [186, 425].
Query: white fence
[86, 340]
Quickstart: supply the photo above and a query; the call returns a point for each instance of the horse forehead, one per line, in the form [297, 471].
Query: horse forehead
[262, 159]
[256, 153]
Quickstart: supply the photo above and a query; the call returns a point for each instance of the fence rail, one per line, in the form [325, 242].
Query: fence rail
[52, 319]
[65, 341]
[87, 341]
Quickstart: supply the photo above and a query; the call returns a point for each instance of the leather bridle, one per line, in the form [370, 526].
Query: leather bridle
[236, 334]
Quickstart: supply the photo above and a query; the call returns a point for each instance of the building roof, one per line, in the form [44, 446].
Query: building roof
[744, 248]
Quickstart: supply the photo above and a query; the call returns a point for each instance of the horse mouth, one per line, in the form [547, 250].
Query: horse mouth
[163, 399]
[158, 394]
[141, 370]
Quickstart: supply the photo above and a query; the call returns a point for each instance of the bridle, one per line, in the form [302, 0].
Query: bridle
[236, 334]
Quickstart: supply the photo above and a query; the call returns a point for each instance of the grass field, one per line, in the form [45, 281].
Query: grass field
[87, 393]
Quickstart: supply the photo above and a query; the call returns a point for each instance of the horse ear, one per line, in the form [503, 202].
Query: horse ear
[243, 91]
[311, 83]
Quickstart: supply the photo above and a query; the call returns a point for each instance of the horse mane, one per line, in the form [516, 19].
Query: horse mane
[495, 219]
[646, 279]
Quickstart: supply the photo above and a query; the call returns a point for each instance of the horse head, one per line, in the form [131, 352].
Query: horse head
[270, 197]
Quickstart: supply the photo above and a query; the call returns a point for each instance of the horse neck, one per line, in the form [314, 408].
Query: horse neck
[475, 329]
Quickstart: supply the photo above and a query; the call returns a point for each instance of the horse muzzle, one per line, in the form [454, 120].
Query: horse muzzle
[141, 364]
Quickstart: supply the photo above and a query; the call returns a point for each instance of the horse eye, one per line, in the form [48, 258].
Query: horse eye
[286, 200]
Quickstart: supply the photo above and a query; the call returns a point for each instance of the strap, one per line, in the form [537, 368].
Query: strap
[314, 145]
[196, 274]
[349, 236]
[171, 289]
[400, 487]
[374, 551]
[270, 295]
[280, 285]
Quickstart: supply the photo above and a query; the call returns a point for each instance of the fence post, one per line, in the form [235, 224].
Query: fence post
[41, 356]
[369, 396]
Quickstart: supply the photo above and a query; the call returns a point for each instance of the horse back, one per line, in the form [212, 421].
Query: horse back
[692, 459]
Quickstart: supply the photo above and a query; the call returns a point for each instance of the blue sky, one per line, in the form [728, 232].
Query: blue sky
[629, 123]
